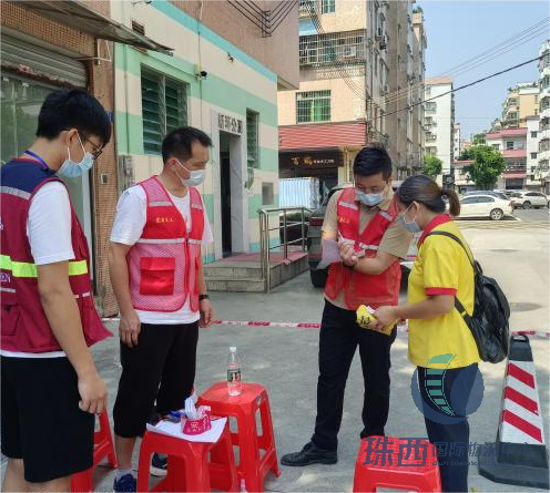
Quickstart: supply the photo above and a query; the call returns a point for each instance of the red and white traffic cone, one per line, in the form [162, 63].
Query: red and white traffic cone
[519, 456]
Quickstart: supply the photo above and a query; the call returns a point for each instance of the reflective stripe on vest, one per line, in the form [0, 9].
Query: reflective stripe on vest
[160, 203]
[349, 205]
[16, 192]
[162, 241]
[28, 269]
[385, 215]
[367, 247]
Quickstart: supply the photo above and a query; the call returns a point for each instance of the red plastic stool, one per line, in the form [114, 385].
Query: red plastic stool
[244, 407]
[188, 465]
[103, 447]
[412, 470]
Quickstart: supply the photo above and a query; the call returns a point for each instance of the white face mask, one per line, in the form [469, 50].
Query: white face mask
[196, 177]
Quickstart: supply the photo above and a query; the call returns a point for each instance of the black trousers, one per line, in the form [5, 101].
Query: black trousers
[162, 368]
[338, 340]
[453, 468]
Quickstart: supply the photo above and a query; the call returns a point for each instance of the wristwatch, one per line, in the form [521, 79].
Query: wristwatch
[203, 297]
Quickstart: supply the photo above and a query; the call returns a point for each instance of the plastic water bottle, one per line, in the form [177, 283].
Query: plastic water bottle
[234, 385]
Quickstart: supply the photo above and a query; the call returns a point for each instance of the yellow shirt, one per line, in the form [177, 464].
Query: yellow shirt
[442, 267]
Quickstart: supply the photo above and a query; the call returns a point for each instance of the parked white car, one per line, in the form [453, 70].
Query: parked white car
[526, 200]
[485, 206]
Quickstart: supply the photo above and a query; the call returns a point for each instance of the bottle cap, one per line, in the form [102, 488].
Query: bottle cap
[233, 349]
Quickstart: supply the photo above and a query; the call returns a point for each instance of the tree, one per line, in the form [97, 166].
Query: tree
[488, 164]
[479, 139]
[432, 165]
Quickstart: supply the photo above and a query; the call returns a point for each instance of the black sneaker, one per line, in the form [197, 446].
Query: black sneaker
[159, 465]
[126, 484]
[310, 454]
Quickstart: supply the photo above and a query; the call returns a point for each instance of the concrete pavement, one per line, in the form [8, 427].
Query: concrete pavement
[285, 360]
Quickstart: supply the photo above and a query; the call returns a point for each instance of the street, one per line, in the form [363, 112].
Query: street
[285, 360]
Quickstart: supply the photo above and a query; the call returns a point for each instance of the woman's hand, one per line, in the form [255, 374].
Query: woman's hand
[386, 316]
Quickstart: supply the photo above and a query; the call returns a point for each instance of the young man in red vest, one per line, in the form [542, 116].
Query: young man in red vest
[158, 279]
[363, 220]
[50, 386]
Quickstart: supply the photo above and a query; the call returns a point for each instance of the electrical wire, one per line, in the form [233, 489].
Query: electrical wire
[503, 47]
[280, 20]
[460, 88]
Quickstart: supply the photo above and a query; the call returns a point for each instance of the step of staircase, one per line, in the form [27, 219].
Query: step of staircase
[236, 285]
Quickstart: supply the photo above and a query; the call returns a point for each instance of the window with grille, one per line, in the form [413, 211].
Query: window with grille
[431, 106]
[313, 106]
[328, 6]
[327, 49]
[164, 108]
[252, 138]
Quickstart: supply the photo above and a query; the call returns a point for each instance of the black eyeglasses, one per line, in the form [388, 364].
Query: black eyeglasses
[96, 152]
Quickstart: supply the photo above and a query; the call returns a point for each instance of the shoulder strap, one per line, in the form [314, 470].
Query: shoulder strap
[458, 305]
[459, 241]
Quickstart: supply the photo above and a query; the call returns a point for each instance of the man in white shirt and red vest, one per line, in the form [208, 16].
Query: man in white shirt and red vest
[158, 279]
[363, 220]
[50, 386]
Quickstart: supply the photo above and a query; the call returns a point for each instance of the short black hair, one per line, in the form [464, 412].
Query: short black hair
[179, 142]
[73, 108]
[371, 160]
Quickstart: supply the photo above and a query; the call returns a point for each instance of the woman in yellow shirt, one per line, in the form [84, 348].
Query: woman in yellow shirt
[440, 343]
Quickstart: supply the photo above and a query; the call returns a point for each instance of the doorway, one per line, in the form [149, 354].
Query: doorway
[225, 195]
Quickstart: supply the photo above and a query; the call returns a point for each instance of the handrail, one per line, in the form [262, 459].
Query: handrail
[265, 230]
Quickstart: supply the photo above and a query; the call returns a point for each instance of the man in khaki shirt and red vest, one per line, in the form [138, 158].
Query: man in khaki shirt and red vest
[363, 220]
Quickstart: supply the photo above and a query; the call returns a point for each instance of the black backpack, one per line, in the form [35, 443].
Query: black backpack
[489, 322]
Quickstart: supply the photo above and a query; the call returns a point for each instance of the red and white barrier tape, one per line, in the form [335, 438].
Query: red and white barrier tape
[312, 325]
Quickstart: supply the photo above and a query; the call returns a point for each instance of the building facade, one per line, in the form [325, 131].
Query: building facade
[440, 120]
[52, 46]
[534, 176]
[332, 96]
[521, 102]
[223, 78]
[512, 143]
[407, 45]
[544, 124]
[457, 142]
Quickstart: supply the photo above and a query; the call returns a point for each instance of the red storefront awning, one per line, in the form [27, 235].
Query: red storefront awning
[322, 136]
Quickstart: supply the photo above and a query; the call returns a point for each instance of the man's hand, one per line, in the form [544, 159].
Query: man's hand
[385, 317]
[348, 255]
[129, 328]
[207, 313]
[93, 393]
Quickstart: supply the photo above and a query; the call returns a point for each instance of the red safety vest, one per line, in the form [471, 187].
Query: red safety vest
[25, 327]
[164, 263]
[362, 289]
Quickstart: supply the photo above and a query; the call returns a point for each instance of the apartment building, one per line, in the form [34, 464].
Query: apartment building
[323, 124]
[440, 120]
[223, 77]
[521, 101]
[457, 142]
[544, 123]
[407, 46]
[534, 175]
[512, 143]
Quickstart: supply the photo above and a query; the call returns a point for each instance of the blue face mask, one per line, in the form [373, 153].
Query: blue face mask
[412, 226]
[71, 169]
[370, 199]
